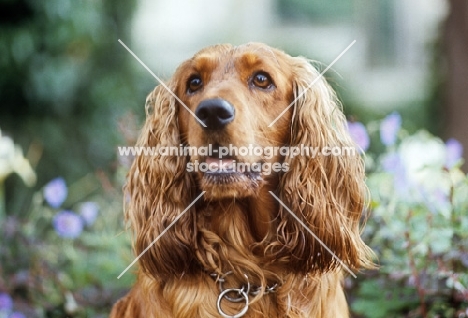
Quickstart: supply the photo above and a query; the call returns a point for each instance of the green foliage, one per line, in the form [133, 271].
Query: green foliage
[66, 277]
[64, 84]
[381, 299]
[418, 228]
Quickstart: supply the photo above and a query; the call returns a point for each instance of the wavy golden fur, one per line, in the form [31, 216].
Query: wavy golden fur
[238, 225]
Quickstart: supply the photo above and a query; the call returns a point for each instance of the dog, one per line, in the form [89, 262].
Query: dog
[273, 239]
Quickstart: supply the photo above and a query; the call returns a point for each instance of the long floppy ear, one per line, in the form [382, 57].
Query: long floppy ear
[328, 193]
[158, 189]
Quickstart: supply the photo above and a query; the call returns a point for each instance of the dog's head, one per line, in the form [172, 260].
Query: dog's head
[267, 105]
[233, 94]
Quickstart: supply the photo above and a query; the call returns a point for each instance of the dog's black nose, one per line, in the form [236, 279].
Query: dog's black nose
[215, 113]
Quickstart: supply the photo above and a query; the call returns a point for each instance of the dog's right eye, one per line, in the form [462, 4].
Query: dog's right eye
[194, 83]
[261, 80]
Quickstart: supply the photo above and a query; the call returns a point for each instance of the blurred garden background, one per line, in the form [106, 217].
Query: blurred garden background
[70, 94]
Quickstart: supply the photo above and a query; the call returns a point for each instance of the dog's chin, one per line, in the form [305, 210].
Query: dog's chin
[225, 182]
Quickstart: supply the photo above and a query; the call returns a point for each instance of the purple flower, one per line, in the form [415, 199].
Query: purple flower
[359, 135]
[454, 152]
[6, 303]
[68, 224]
[89, 212]
[55, 192]
[389, 128]
[17, 314]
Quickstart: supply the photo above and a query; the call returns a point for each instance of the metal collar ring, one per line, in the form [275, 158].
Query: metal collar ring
[244, 297]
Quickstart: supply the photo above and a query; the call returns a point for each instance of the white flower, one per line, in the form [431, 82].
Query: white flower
[13, 161]
[423, 157]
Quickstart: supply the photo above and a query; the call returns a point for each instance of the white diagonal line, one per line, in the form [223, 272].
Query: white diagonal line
[162, 83]
[313, 234]
[313, 82]
[162, 233]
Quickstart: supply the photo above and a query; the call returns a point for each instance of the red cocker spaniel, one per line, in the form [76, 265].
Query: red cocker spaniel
[238, 251]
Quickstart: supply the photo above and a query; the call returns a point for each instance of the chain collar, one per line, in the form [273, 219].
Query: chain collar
[242, 293]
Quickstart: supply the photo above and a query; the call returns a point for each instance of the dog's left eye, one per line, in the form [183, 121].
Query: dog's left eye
[262, 80]
[194, 83]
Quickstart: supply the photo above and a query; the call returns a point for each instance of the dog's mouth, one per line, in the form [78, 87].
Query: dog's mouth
[226, 176]
[230, 170]
[224, 165]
